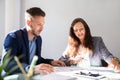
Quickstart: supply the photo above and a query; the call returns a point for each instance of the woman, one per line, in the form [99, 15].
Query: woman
[84, 50]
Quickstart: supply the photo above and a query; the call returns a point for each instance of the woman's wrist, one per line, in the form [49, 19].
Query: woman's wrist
[72, 62]
[115, 60]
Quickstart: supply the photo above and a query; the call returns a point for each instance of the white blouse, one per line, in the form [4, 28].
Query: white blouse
[84, 54]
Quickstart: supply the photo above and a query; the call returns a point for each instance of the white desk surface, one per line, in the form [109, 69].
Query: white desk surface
[67, 73]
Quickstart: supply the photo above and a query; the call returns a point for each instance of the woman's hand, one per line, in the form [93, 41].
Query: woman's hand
[114, 63]
[117, 68]
[76, 60]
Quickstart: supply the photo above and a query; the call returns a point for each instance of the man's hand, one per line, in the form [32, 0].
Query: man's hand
[43, 69]
[57, 63]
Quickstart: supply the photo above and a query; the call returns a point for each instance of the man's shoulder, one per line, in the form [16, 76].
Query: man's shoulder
[15, 33]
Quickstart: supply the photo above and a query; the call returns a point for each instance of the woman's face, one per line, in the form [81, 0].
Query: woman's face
[79, 30]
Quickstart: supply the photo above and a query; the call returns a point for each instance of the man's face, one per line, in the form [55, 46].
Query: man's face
[36, 25]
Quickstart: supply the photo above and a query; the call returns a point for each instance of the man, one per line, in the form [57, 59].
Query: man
[27, 42]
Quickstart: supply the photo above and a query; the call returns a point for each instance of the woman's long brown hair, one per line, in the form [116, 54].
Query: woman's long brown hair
[74, 40]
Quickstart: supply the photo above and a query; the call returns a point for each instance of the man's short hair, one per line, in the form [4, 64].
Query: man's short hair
[32, 12]
[35, 11]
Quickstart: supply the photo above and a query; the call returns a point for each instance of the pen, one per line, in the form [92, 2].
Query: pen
[84, 59]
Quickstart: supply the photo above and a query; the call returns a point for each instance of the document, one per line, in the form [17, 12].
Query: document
[77, 73]
[54, 76]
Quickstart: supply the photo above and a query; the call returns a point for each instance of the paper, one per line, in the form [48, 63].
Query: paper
[55, 76]
[69, 73]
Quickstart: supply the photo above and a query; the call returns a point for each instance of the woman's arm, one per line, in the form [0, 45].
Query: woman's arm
[108, 57]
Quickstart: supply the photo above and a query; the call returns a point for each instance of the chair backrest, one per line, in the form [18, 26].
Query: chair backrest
[104, 63]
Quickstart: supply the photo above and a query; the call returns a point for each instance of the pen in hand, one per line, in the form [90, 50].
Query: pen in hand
[76, 60]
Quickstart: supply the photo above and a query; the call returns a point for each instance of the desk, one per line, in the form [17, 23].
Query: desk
[67, 73]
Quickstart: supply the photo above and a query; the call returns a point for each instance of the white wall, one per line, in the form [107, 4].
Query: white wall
[12, 15]
[2, 23]
[9, 18]
[103, 17]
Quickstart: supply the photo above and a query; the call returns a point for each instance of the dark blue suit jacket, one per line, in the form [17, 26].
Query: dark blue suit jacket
[19, 44]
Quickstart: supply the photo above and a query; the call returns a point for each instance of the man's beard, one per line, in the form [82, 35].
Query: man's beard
[33, 32]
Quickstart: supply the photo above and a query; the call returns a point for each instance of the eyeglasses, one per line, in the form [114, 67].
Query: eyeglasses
[76, 30]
